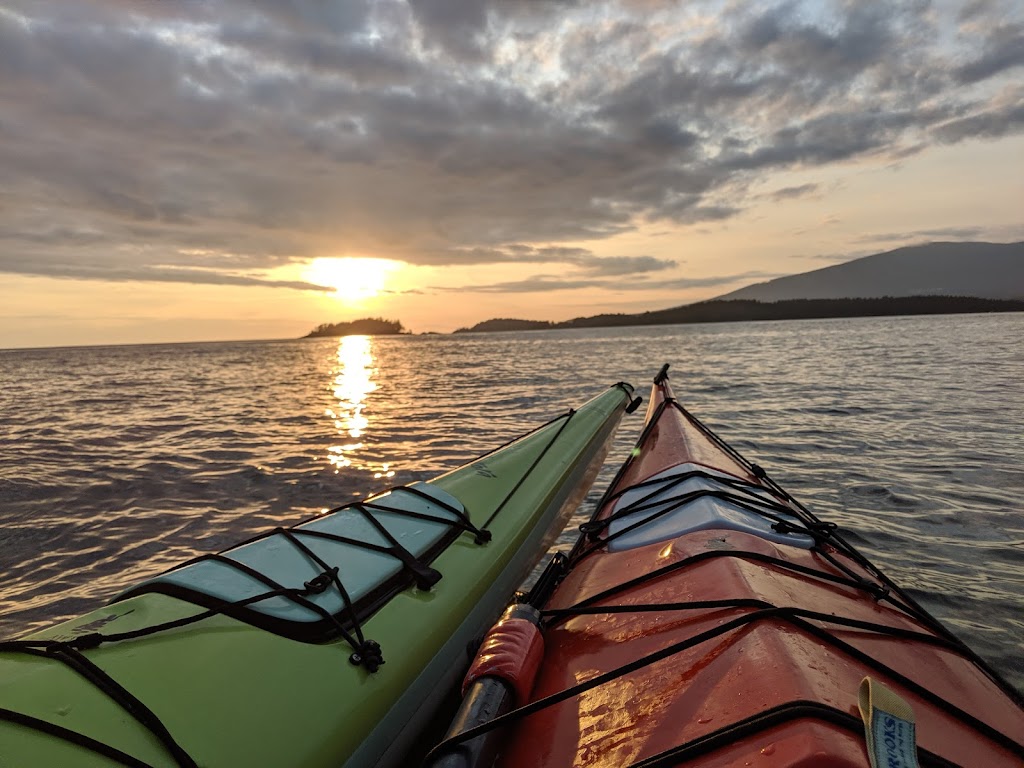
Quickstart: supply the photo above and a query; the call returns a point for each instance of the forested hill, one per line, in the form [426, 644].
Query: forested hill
[508, 324]
[987, 270]
[719, 311]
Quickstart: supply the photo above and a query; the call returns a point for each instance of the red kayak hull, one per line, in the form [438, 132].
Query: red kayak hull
[764, 693]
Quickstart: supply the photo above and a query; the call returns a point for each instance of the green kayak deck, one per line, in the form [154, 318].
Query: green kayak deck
[244, 690]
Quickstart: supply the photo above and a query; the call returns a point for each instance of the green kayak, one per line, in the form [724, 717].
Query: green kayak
[329, 643]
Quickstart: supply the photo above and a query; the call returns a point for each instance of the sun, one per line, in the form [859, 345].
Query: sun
[353, 279]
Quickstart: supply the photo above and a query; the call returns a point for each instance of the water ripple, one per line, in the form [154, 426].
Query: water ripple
[119, 462]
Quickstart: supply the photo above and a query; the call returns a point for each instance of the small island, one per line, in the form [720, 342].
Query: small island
[367, 326]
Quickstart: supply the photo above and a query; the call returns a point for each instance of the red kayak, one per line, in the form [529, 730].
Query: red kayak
[707, 618]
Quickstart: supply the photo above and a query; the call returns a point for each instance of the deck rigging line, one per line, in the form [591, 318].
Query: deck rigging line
[828, 545]
[348, 625]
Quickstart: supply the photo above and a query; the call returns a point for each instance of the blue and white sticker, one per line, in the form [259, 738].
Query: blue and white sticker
[895, 744]
[888, 726]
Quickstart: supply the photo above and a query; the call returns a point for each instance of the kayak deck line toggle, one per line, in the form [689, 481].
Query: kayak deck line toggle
[321, 582]
[368, 655]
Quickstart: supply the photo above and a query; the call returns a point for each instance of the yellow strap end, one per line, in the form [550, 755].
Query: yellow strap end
[888, 726]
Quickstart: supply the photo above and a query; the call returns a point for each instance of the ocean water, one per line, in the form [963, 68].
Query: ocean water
[119, 462]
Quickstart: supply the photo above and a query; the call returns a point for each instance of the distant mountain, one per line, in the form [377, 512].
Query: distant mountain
[984, 270]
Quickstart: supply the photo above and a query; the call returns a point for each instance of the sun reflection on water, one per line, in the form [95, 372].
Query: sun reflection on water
[353, 382]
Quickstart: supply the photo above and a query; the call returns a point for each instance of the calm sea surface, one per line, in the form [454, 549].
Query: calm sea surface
[118, 462]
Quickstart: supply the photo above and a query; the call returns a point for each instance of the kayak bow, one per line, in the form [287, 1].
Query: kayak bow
[326, 644]
[707, 618]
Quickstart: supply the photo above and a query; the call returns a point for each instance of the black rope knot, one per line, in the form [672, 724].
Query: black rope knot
[482, 536]
[785, 526]
[819, 531]
[320, 582]
[592, 528]
[757, 471]
[85, 642]
[368, 655]
[823, 529]
[879, 591]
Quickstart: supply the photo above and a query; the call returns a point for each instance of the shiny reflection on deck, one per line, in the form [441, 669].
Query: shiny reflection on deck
[353, 382]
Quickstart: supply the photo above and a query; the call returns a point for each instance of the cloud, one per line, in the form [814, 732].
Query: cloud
[625, 265]
[835, 257]
[987, 124]
[522, 253]
[535, 284]
[791, 193]
[234, 137]
[857, 39]
[1002, 50]
[940, 233]
[623, 282]
[192, 276]
[593, 271]
[718, 280]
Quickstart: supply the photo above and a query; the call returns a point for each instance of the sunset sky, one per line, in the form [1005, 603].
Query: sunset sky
[219, 169]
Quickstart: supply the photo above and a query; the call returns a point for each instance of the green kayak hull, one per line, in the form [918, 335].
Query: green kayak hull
[230, 693]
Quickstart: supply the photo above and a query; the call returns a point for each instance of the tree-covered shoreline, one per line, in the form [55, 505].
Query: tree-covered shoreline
[739, 310]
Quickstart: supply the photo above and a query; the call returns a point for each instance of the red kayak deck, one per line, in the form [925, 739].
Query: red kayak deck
[771, 682]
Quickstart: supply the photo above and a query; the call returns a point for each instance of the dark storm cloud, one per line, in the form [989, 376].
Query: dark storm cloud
[149, 138]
